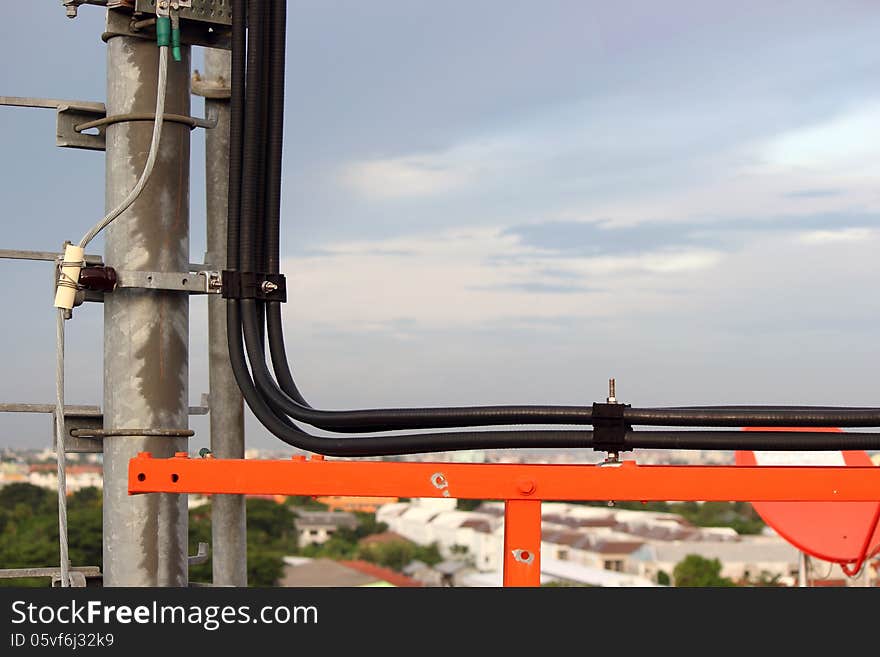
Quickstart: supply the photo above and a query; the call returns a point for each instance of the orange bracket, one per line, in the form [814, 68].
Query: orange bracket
[522, 487]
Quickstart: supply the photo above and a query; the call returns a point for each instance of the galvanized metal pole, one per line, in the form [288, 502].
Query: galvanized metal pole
[145, 331]
[228, 524]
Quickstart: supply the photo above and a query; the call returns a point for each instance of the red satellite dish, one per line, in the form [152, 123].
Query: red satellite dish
[832, 531]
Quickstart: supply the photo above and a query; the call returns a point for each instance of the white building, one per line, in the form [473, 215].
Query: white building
[319, 526]
[746, 559]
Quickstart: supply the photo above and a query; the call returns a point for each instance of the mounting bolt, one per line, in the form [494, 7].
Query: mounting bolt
[612, 399]
[268, 287]
[71, 11]
[526, 486]
[215, 281]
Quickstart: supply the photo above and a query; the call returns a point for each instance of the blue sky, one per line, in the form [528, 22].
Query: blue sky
[489, 202]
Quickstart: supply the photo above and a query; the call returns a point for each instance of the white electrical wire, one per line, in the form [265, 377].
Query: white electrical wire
[60, 453]
[151, 158]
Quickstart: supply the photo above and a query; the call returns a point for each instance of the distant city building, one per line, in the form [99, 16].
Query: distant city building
[346, 503]
[318, 526]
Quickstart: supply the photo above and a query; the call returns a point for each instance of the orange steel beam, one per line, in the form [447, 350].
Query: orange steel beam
[504, 481]
[522, 543]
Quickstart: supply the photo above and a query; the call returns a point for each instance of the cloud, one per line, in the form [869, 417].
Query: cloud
[814, 193]
[538, 287]
[405, 177]
[839, 144]
[845, 235]
[470, 277]
[666, 238]
[549, 272]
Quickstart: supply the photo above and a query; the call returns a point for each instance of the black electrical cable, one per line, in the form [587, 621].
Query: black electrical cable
[275, 138]
[236, 133]
[277, 350]
[252, 198]
[751, 440]
[754, 417]
[263, 131]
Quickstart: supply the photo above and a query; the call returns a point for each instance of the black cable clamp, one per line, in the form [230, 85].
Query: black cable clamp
[253, 285]
[610, 428]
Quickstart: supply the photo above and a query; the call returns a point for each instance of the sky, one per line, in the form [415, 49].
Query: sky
[497, 202]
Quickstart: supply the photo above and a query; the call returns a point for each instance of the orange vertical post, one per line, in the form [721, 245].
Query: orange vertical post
[522, 543]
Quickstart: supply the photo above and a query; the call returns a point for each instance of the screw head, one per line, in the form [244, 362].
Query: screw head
[526, 486]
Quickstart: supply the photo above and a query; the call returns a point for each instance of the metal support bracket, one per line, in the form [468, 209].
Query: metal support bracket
[68, 115]
[202, 25]
[202, 282]
[213, 89]
[215, 12]
[200, 557]
[523, 487]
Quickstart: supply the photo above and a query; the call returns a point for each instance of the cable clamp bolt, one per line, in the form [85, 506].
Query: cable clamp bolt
[253, 285]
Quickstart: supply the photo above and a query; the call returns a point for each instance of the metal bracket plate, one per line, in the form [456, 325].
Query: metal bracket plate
[197, 31]
[67, 117]
[194, 283]
[80, 444]
[69, 114]
[218, 12]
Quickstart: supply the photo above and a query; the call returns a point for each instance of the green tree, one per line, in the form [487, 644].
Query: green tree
[264, 569]
[741, 516]
[368, 525]
[396, 554]
[29, 537]
[36, 499]
[697, 571]
[305, 502]
[468, 505]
